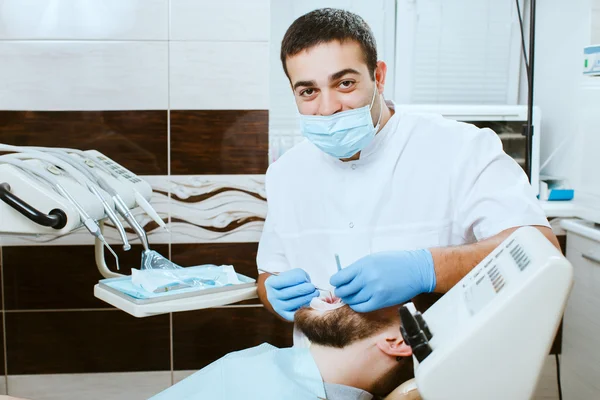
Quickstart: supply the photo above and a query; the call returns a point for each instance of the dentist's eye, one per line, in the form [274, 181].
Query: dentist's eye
[307, 92]
[346, 84]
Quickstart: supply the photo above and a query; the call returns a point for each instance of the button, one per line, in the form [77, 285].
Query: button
[351, 225]
[353, 166]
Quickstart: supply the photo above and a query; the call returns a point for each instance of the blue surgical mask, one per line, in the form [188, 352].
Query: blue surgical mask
[343, 134]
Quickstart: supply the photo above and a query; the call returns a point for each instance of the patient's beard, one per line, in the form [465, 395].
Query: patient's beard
[341, 327]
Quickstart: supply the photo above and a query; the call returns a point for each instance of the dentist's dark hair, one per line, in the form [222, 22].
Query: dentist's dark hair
[326, 25]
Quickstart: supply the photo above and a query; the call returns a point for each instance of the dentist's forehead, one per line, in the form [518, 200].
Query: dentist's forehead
[320, 62]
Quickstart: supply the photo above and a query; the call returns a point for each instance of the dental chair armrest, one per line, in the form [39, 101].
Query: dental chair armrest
[2, 397]
[406, 391]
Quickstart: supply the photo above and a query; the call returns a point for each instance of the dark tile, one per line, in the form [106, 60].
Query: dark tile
[86, 341]
[2, 371]
[203, 336]
[241, 255]
[59, 277]
[219, 142]
[2, 355]
[135, 139]
[1, 278]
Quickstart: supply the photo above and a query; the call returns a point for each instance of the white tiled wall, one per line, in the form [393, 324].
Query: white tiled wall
[83, 75]
[234, 75]
[83, 19]
[214, 20]
[114, 54]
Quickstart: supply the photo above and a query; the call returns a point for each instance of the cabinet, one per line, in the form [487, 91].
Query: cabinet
[580, 360]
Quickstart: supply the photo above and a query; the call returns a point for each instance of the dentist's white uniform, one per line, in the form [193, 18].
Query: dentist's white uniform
[424, 181]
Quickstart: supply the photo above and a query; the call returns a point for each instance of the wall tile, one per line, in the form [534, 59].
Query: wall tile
[2, 355]
[135, 139]
[83, 75]
[215, 208]
[228, 20]
[219, 142]
[178, 376]
[219, 75]
[241, 255]
[59, 277]
[85, 341]
[156, 234]
[203, 336]
[80, 19]
[99, 386]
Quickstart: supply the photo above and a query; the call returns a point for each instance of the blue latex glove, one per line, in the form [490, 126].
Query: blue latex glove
[289, 291]
[385, 279]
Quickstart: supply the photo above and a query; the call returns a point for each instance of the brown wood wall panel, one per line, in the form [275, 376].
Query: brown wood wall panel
[60, 277]
[219, 142]
[203, 336]
[241, 255]
[85, 341]
[135, 139]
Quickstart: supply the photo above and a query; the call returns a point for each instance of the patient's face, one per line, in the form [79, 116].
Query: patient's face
[342, 326]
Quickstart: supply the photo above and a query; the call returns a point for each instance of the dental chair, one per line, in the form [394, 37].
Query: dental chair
[494, 327]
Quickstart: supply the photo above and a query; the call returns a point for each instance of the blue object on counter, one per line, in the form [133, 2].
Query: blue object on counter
[561, 194]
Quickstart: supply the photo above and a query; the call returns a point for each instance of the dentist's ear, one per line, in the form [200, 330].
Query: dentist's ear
[394, 346]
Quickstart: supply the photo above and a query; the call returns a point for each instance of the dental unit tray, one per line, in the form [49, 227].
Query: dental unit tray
[174, 293]
[174, 301]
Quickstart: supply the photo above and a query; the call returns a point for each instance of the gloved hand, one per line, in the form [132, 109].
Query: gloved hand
[385, 279]
[289, 291]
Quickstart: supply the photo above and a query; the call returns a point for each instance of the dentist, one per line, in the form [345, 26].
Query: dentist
[410, 203]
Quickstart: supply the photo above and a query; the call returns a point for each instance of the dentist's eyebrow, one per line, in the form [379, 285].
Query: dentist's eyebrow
[339, 74]
[332, 77]
[304, 83]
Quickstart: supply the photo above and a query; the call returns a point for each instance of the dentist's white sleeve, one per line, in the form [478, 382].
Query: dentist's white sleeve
[271, 254]
[492, 192]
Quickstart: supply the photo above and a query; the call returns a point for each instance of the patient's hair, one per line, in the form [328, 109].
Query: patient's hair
[343, 326]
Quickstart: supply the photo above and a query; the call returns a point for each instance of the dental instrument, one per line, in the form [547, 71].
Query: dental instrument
[337, 262]
[87, 221]
[78, 176]
[95, 159]
[81, 167]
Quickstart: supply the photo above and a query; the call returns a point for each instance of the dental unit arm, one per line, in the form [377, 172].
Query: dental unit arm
[46, 193]
[489, 336]
[39, 183]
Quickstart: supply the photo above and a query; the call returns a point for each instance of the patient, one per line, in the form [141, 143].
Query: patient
[352, 356]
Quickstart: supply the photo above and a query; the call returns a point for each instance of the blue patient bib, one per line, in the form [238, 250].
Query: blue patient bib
[263, 372]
